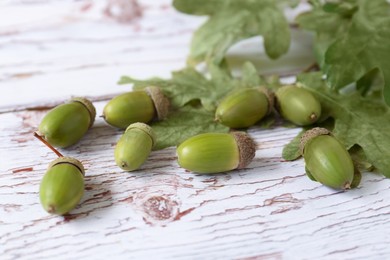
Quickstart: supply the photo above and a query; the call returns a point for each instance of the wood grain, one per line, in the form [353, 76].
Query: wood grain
[270, 210]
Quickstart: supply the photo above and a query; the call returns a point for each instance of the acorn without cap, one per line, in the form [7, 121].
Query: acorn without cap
[327, 160]
[134, 146]
[136, 106]
[244, 107]
[67, 123]
[297, 105]
[216, 152]
[62, 187]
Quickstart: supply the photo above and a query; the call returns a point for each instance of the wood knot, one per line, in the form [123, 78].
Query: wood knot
[160, 209]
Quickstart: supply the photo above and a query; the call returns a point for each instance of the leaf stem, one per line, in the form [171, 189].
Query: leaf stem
[40, 138]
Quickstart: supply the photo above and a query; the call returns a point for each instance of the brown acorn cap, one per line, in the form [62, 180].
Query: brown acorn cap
[90, 107]
[270, 97]
[161, 102]
[310, 134]
[144, 127]
[246, 148]
[69, 160]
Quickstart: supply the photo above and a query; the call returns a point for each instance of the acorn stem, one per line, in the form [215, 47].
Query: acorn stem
[347, 186]
[313, 117]
[40, 138]
[51, 209]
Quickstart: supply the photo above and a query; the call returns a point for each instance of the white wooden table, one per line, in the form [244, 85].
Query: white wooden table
[52, 50]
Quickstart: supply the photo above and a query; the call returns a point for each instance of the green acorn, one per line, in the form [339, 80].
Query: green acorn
[66, 124]
[137, 106]
[216, 152]
[244, 107]
[134, 147]
[62, 187]
[297, 105]
[327, 160]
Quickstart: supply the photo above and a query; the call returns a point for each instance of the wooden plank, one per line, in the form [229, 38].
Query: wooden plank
[44, 62]
[51, 50]
[271, 209]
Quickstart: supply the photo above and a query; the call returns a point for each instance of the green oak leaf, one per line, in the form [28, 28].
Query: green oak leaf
[184, 123]
[360, 158]
[250, 76]
[330, 21]
[362, 121]
[188, 85]
[231, 21]
[291, 150]
[352, 42]
[365, 47]
[357, 177]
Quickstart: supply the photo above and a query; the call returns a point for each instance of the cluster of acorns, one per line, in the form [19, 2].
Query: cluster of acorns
[62, 187]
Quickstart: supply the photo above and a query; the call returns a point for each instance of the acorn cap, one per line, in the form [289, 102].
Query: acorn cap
[161, 102]
[69, 160]
[90, 107]
[246, 147]
[270, 97]
[310, 134]
[144, 127]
